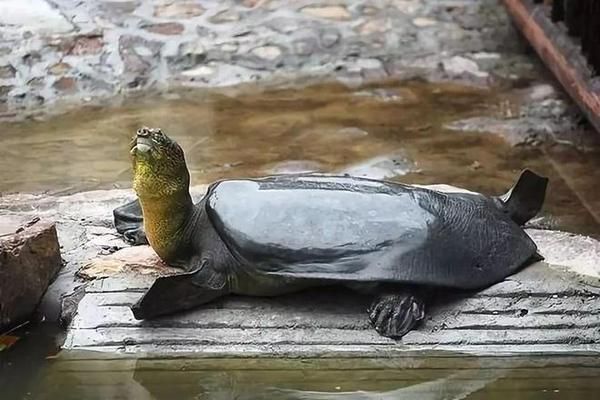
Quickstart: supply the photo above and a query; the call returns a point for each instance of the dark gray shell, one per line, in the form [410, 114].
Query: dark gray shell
[351, 229]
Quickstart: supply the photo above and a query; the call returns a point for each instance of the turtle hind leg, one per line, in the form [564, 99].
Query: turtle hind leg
[395, 314]
[130, 222]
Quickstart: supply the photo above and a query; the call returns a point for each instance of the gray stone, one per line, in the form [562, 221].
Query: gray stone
[86, 45]
[424, 22]
[65, 84]
[164, 28]
[225, 16]
[29, 260]
[383, 167]
[269, 53]
[337, 13]
[329, 38]
[458, 66]
[516, 131]
[178, 9]
[5, 90]
[7, 71]
[201, 71]
[138, 57]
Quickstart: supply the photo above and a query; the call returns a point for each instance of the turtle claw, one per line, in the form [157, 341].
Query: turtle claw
[394, 315]
[135, 237]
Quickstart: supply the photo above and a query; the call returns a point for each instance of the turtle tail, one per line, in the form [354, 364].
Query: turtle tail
[526, 198]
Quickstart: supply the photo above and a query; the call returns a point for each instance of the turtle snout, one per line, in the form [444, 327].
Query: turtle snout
[143, 132]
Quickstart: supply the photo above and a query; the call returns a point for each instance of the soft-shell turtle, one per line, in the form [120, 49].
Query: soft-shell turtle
[280, 234]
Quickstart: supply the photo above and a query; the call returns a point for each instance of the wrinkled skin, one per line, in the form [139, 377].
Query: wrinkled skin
[258, 237]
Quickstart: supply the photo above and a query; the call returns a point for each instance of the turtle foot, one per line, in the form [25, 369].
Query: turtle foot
[394, 315]
[135, 237]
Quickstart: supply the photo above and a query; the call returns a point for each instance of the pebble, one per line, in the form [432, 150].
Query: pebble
[267, 52]
[424, 22]
[179, 9]
[336, 13]
[201, 71]
[458, 65]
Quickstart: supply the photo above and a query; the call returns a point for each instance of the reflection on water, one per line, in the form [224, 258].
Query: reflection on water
[384, 131]
[422, 378]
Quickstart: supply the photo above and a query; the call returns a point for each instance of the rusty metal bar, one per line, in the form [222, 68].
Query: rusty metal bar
[560, 53]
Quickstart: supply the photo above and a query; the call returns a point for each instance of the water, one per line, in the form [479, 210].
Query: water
[380, 130]
[25, 373]
[327, 128]
[430, 377]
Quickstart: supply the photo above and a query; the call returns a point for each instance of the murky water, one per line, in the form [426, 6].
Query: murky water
[434, 377]
[380, 131]
[25, 374]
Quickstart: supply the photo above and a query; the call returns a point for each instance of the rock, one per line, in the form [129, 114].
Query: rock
[139, 260]
[7, 71]
[423, 22]
[541, 92]
[201, 71]
[138, 57]
[86, 45]
[65, 84]
[59, 68]
[5, 90]
[329, 38]
[337, 13]
[229, 47]
[267, 52]
[178, 9]
[458, 66]
[373, 26]
[29, 259]
[382, 167]
[225, 16]
[165, 28]
[407, 6]
[369, 10]
[516, 131]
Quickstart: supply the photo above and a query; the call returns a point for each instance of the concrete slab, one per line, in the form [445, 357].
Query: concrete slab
[537, 310]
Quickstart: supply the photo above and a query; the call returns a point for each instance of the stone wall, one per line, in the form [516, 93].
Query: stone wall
[73, 52]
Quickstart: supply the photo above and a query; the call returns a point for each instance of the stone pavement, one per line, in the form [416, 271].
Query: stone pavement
[65, 52]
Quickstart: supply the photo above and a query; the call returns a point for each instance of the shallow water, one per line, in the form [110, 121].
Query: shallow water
[382, 131]
[26, 374]
[429, 377]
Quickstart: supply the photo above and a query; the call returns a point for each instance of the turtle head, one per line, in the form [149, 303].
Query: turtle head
[159, 167]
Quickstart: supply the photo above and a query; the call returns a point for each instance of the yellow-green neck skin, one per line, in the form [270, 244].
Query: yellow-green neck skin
[165, 222]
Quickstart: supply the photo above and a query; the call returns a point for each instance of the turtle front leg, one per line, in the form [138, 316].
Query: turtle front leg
[395, 314]
[174, 293]
[130, 222]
